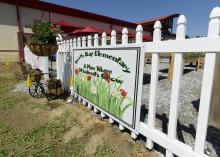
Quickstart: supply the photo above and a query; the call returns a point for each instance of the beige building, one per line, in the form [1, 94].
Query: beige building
[16, 14]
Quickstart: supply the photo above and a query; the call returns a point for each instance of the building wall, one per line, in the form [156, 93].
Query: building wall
[28, 15]
[8, 33]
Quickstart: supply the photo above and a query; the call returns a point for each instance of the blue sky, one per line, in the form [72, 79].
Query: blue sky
[196, 11]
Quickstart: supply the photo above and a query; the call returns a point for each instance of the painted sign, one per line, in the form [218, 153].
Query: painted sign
[109, 78]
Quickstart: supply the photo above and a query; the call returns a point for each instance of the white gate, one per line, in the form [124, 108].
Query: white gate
[210, 45]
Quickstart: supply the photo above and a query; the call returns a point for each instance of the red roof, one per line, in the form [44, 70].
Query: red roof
[162, 18]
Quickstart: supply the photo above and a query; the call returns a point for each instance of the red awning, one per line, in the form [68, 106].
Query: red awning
[145, 37]
[67, 26]
[86, 31]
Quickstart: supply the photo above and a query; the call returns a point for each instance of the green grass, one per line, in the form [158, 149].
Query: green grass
[105, 95]
[43, 140]
[7, 83]
[103, 151]
[6, 103]
[9, 101]
[73, 148]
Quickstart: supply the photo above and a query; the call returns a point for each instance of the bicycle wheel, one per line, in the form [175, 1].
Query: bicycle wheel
[37, 90]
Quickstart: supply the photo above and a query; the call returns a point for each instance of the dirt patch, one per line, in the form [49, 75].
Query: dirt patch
[107, 136]
[85, 116]
[139, 150]
[22, 118]
[93, 143]
[75, 132]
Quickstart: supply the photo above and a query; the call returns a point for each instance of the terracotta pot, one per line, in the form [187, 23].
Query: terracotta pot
[43, 49]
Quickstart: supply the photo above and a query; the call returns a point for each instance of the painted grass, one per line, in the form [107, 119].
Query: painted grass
[107, 95]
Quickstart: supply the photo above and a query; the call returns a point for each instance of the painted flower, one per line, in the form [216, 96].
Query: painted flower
[89, 78]
[93, 89]
[77, 71]
[113, 94]
[108, 80]
[123, 92]
[106, 75]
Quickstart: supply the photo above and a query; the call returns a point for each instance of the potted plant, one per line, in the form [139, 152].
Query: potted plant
[43, 40]
[36, 75]
[54, 86]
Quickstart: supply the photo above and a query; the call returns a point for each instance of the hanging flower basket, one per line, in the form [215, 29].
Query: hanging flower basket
[43, 49]
[43, 40]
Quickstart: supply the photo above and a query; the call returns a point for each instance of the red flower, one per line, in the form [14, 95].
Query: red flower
[77, 71]
[89, 78]
[123, 92]
[106, 75]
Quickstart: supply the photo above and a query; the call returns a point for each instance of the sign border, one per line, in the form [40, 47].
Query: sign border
[138, 49]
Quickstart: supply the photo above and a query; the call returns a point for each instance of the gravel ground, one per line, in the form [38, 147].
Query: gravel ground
[21, 87]
[188, 107]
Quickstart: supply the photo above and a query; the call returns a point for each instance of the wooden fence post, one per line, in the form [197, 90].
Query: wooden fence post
[170, 67]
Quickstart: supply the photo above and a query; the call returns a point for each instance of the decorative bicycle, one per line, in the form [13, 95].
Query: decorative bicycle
[40, 89]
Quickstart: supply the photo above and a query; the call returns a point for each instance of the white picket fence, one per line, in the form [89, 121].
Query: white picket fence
[41, 63]
[210, 45]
